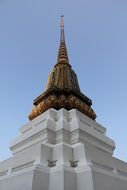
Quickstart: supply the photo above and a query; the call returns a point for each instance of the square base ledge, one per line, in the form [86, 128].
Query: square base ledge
[62, 126]
[63, 167]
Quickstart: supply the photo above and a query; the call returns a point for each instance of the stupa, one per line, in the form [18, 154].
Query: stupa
[63, 147]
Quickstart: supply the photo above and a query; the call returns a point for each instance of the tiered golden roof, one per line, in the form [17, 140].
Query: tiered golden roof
[62, 89]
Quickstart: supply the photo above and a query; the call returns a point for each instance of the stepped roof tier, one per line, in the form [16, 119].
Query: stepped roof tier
[62, 89]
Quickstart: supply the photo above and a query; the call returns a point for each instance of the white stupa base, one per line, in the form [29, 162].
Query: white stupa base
[63, 150]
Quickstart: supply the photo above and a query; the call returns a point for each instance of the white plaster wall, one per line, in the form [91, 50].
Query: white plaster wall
[45, 153]
[18, 182]
[106, 182]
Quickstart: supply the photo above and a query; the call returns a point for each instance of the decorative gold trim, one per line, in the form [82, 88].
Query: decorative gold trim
[62, 101]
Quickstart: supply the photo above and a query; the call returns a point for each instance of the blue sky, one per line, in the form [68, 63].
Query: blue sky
[96, 37]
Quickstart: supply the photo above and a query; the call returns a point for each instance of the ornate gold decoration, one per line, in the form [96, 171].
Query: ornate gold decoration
[61, 101]
[63, 76]
[62, 89]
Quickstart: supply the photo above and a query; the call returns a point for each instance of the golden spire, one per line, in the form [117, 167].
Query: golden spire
[62, 75]
[62, 89]
[62, 54]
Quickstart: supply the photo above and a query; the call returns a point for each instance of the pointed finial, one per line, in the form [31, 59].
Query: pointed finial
[62, 21]
[62, 37]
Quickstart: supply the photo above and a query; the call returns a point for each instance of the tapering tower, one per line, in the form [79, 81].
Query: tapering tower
[62, 89]
[62, 147]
